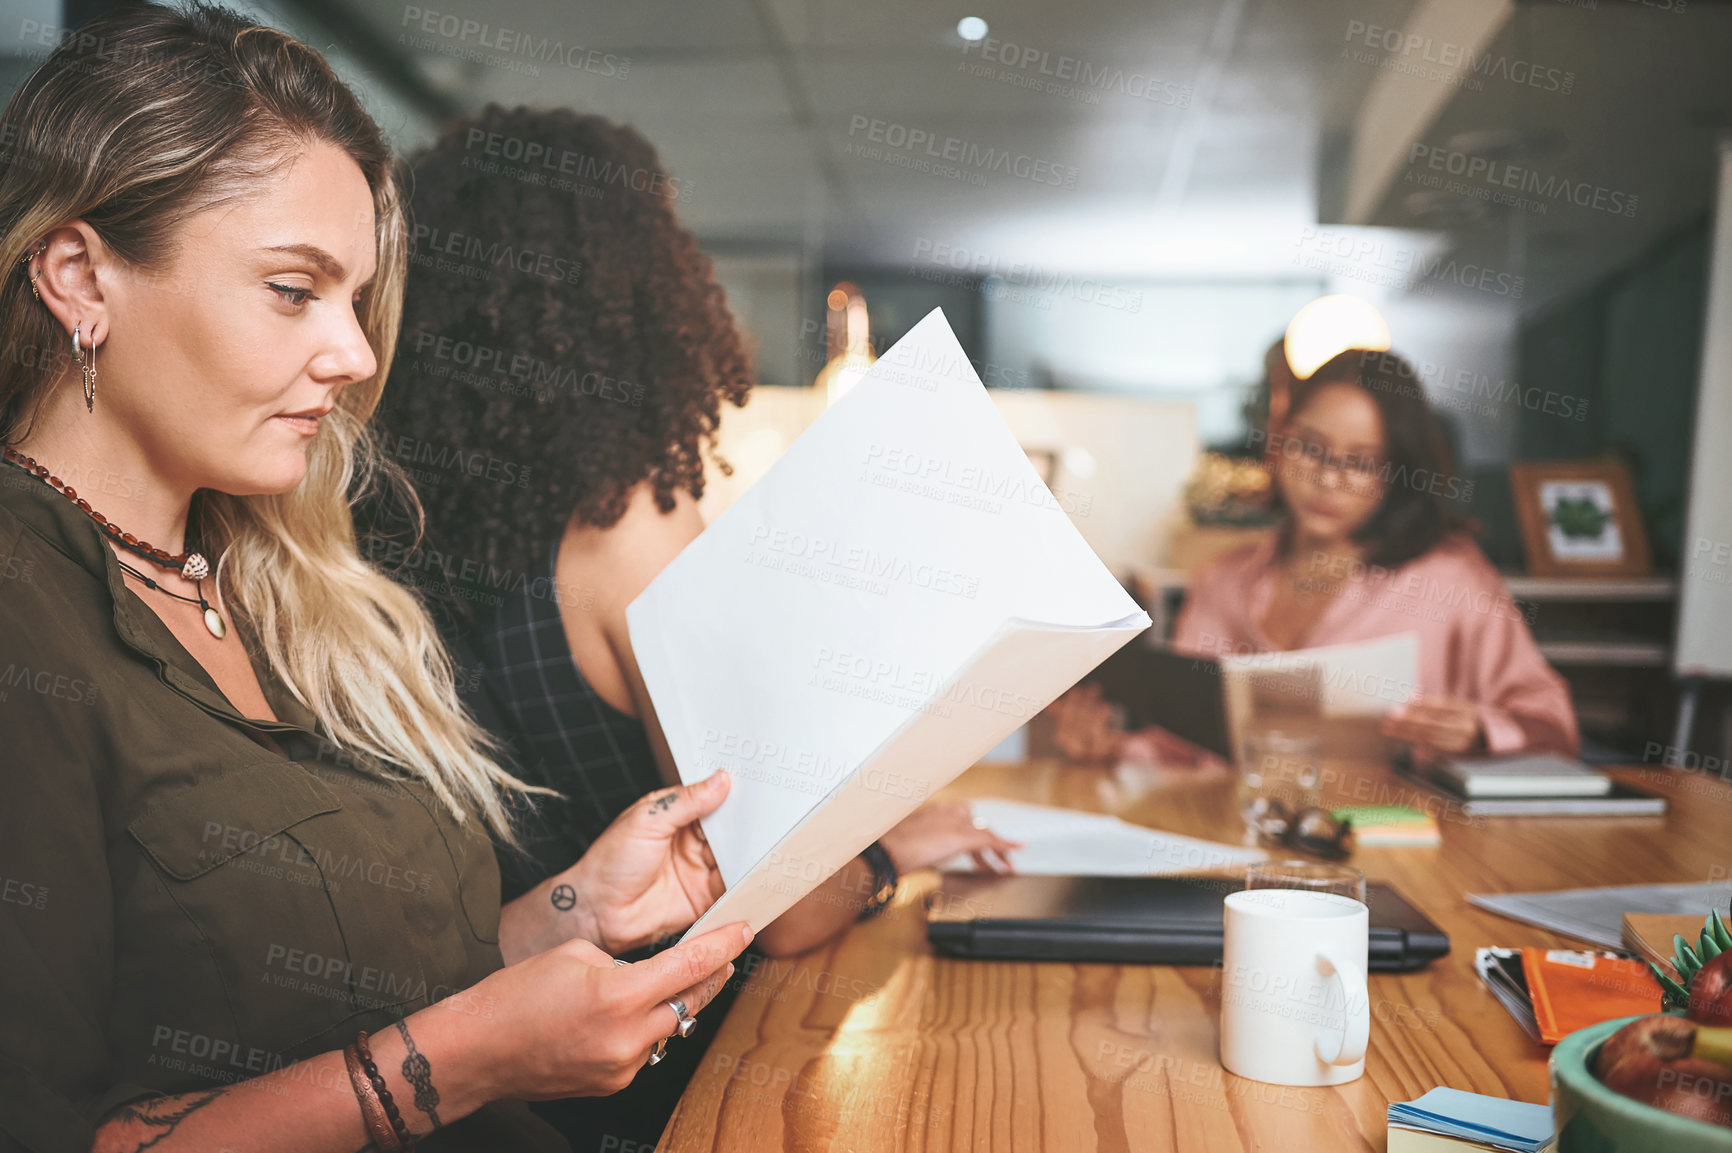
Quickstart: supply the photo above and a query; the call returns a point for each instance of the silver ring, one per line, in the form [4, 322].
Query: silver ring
[685, 1023]
[660, 1051]
[617, 962]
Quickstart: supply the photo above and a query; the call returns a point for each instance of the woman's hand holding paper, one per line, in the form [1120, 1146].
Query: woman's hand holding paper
[1445, 724]
[651, 873]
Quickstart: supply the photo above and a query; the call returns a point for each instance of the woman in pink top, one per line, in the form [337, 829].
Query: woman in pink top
[1366, 548]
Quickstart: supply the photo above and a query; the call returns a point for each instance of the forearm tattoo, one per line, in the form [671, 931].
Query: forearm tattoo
[419, 1073]
[150, 1122]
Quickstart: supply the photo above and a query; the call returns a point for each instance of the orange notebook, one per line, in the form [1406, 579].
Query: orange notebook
[1571, 990]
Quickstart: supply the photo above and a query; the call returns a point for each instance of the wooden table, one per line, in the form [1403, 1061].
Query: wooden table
[875, 1043]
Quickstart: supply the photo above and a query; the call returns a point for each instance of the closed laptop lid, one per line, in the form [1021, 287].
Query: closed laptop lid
[1133, 920]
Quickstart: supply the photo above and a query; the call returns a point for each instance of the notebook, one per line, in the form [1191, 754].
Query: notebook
[1553, 992]
[1405, 1140]
[1649, 936]
[1493, 1122]
[1619, 801]
[1523, 775]
[1572, 989]
[1501, 970]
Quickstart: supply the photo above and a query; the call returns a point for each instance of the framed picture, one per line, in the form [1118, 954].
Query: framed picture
[1579, 518]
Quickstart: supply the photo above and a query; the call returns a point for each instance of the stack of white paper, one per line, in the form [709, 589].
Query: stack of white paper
[1072, 843]
[896, 594]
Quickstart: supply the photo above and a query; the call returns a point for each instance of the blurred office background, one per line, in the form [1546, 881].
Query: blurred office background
[1120, 204]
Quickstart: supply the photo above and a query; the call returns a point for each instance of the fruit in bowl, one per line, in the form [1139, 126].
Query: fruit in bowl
[1655, 1082]
[1671, 1063]
[1592, 1117]
[1710, 1000]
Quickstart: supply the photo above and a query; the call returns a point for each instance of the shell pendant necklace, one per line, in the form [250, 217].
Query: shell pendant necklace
[190, 565]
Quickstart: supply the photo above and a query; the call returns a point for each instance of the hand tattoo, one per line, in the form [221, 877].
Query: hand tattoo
[662, 803]
[149, 1122]
[419, 1073]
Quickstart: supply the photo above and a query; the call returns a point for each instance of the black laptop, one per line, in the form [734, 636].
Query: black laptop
[1133, 920]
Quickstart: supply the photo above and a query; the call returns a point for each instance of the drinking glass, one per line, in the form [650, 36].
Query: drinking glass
[1312, 876]
[1280, 772]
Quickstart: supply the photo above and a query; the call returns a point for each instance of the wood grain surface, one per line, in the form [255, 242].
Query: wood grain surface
[874, 1043]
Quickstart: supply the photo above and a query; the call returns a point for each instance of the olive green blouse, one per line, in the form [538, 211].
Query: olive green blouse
[188, 897]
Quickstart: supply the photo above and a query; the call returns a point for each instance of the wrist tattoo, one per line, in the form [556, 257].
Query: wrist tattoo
[146, 1123]
[419, 1073]
[564, 897]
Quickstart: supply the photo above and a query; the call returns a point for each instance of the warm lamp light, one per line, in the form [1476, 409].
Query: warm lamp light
[1329, 326]
[849, 341]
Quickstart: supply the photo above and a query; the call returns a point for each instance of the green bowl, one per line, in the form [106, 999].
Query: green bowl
[1594, 1119]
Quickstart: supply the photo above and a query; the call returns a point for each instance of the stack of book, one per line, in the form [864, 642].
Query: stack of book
[1450, 1120]
[1538, 785]
[1553, 992]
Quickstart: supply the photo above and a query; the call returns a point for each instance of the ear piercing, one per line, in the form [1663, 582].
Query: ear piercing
[41, 247]
[88, 364]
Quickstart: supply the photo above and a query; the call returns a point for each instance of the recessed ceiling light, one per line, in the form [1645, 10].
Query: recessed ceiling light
[971, 28]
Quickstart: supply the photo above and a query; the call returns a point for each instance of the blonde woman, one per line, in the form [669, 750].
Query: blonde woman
[250, 899]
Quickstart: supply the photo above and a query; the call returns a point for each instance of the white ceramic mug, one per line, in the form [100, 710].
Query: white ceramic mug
[1295, 1009]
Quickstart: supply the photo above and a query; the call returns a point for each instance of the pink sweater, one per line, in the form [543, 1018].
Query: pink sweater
[1474, 642]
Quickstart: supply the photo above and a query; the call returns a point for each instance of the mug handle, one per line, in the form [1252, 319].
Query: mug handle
[1355, 1032]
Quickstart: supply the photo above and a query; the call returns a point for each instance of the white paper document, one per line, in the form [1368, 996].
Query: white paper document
[892, 598]
[1072, 843]
[1361, 680]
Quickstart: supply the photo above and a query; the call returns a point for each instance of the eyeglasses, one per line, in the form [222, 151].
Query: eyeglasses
[1314, 459]
[1309, 830]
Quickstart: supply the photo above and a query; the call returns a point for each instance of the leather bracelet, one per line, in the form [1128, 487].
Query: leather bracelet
[884, 874]
[393, 1136]
[379, 1132]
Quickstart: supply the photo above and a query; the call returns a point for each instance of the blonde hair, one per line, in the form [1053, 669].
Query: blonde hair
[139, 119]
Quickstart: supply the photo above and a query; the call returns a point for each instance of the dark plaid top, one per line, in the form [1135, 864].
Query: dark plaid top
[518, 677]
[562, 734]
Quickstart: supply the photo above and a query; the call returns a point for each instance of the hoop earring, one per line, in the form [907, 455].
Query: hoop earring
[88, 364]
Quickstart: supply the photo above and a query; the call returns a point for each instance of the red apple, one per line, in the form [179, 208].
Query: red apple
[1662, 1061]
[1711, 992]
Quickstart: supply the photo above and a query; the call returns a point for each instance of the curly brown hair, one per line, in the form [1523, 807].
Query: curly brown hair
[563, 337]
[1419, 474]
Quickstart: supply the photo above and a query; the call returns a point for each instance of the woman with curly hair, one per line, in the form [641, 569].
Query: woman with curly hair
[564, 358]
